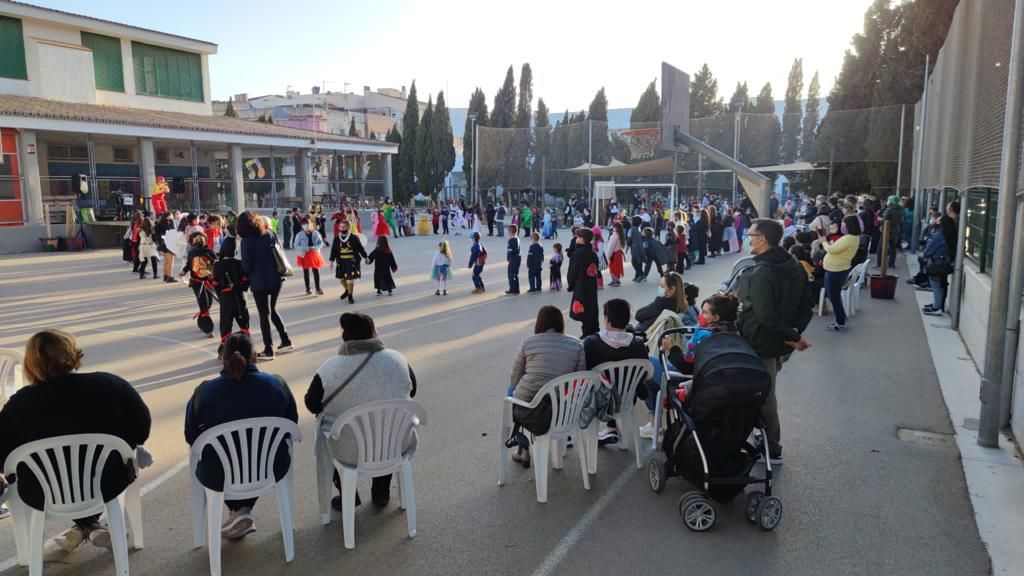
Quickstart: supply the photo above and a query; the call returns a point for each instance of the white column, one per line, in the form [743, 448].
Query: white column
[32, 192]
[304, 168]
[388, 192]
[147, 162]
[237, 191]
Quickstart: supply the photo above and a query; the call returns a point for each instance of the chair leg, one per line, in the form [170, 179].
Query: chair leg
[349, 478]
[591, 446]
[133, 509]
[408, 495]
[558, 453]
[821, 305]
[198, 512]
[585, 467]
[541, 463]
[657, 420]
[284, 506]
[118, 535]
[401, 492]
[35, 543]
[22, 519]
[630, 434]
[214, 511]
[506, 431]
[324, 473]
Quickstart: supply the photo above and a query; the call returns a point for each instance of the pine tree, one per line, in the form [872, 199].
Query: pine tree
[442, 143]
[230, 110]
[811, 114]
[424, 160]
[704, 100]
[503, 114]
[270, 118]
[740, 101]
[478, 106]
[373, 135]
[405, 184]
[598, 130]
[352, 131]
[524, 111]
[762, 136]
[648, 109]
[542, 146]
[522, 148]
[793, 111]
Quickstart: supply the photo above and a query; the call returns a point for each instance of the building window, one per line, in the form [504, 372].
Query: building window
[166, 72]
[123, 154]
[162, 156]
[12, 49]
[981, 226]
[68, 152]
[106, 61]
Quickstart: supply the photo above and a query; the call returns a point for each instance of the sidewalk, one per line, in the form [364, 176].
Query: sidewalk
[995, 476]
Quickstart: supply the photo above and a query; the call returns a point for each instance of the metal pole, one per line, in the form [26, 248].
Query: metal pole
[476, 158]
[590, 157]
[914, 240]
[1012, 322]
[992, 377]
[831, 157]
[899, 156]
[735, 152]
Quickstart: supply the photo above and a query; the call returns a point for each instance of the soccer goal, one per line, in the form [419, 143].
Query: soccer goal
[605, 191]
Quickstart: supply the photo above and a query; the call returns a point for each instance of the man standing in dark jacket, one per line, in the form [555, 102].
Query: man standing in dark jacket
[775, 309]
[636, 248]
[514, 257]
[581, 280]
[490, 218]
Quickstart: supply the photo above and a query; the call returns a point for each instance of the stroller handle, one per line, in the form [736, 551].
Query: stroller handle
[687, 330]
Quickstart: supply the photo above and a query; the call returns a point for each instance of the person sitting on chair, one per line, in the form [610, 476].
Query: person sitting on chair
[60, 401]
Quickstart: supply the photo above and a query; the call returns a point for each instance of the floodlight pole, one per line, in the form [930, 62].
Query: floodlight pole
[764, 185]
[918, 193]
[590, 157]
[992, 379]
[899, 157]
[736, 151]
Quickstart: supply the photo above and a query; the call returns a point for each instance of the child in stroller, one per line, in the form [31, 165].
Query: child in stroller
[709, 431]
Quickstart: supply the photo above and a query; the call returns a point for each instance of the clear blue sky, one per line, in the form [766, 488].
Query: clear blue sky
[573, 46]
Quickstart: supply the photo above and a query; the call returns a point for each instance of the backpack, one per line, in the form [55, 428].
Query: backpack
[604, 401]
[482, 258]
[202, 266]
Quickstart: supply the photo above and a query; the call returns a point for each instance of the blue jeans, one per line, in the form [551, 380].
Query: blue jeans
[834, 291]
[938, 284]
[477, 281]
[513, 275]
[654, 384]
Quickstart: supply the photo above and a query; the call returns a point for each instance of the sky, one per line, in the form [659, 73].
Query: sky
[574, 47]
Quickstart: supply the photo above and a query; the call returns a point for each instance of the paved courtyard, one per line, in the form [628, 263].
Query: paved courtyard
[857, 499]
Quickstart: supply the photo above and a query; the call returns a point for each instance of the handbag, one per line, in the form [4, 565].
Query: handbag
[939, 269]
[284, 268]
[347, 381]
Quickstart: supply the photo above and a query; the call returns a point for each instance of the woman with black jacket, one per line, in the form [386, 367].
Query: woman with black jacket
[670, 297]
[264, 281]
[60, 401]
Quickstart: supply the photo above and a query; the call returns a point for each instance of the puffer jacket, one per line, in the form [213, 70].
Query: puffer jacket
[543, 357]
[775, 303]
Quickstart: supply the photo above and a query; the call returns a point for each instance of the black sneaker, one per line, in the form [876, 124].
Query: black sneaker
[265, 356]
[607, 436]
[285, 346]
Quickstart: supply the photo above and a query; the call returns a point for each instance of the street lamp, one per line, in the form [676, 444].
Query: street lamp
[476, 159]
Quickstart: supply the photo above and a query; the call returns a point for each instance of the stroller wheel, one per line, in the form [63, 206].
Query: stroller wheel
[697, 512]
[656, 474]
[688, 496]
[769, 512]
[753, 501]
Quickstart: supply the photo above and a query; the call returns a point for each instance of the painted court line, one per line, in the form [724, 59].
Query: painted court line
[569, 541]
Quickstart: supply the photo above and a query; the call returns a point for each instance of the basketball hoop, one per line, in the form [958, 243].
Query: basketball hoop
[643, 142]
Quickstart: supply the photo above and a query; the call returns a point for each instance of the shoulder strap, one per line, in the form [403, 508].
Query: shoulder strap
[347, 381]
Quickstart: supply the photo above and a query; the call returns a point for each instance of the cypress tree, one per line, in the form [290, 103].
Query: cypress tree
[405, 184]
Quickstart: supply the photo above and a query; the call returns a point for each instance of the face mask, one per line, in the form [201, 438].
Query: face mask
[305, 227]
[843, 230]
[661, 291]
[702, 321]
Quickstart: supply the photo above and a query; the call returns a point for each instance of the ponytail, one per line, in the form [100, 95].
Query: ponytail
[235, 365]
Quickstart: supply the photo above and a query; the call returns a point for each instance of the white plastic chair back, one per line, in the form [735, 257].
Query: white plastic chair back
[247, 450]
[69, 469]
[380, 429]
[11, 361]
[624, 377]
[568, 394]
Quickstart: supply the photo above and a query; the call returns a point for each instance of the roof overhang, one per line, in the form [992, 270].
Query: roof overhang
[101, 128]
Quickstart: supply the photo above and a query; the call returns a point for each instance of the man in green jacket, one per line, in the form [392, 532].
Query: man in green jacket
[776, 303]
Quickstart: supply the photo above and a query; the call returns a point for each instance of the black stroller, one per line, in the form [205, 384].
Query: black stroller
[708, 437]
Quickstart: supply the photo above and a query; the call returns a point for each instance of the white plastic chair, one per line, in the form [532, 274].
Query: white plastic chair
[11, 378]
[856, 273]
[247, 450]
[859, 278]
[567, 394]
[69, 469]
[624, 377]
[380, 429]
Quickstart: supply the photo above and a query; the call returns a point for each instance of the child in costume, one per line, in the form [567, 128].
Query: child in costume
[147, 248]
[383, 260]
[308, 243]
[477, 259]
[213, 232]
[380, 225]
[346, 253]
[199, 267]
[231, 283]
[602, 258]
[534, 262]
[158, 195]
[514, 258]
[556, 268]
[440, 268]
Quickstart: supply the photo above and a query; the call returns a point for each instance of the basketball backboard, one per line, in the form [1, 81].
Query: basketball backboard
[675, 104]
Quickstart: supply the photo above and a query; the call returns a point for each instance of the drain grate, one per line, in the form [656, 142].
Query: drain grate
[924, 437]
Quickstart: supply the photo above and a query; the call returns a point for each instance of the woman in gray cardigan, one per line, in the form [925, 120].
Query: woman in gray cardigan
[386, 376]
[542, 357]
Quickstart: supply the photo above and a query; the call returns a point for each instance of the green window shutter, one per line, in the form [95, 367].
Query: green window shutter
[106, 59]
[12, 49]
[166, 72]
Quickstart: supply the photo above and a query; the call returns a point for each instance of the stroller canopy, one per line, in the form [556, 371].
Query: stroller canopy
[727, 373]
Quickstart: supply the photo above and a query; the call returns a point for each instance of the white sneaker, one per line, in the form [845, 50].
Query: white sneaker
[647, 431]
[4, 512]
[238, 525]
[70, 539]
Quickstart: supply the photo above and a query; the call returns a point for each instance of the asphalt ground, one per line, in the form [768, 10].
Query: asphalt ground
[857, 500]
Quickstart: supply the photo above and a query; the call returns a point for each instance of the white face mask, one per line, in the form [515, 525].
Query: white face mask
[661, 291]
